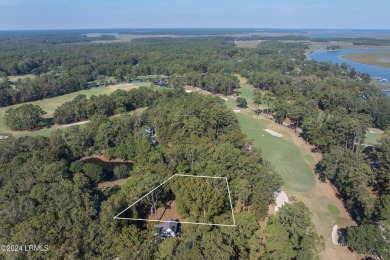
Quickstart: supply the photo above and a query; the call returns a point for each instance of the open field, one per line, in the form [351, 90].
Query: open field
[247, 44]
[16, 78]
[129, 37]
[246, 91]
[50, 104]
[333, 209]
[380, 59]
[321, 46]
[292, 158]
[372, 136]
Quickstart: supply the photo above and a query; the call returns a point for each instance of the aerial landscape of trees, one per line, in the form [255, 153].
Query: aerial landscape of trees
[50, 195]
[57, 171]
[25, 117]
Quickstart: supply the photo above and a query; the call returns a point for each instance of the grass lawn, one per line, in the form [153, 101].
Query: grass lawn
[372, 136]
[138, 111]
[245, 90]
[16, 78]
[283, 155]
[380, 59]
[308, 158]
[42, 132]
[147, 77]
[247, 93]
[333, 209]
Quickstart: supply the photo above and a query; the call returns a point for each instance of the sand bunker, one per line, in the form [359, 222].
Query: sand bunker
[335, 235]
[273, 133]
[281, 199]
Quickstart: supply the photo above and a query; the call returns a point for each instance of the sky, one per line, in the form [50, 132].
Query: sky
[85, 14]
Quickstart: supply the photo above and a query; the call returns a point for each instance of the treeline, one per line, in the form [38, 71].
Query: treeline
[354, 41]
[68, 68]
[80, 108]
[65, 68]
[30, 117]
[38, 174]
[371, 42]
[214, 82]
[45, 86]
[325, 98]
[48, 38]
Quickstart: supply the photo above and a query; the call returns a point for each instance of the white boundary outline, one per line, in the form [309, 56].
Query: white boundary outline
[183, 222]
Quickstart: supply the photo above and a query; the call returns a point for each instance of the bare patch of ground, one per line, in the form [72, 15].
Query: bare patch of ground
[166, 213]
[375, 131]
[272, 132]
[22, 132]
[78, 123]
[16, 78]
[110, 184]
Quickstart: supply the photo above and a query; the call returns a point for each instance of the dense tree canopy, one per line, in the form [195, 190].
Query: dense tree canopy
[25, 117]
[368, 239]
[48, 195]
[80, 108]
[290, 234]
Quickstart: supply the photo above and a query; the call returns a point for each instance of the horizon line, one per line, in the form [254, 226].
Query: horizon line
[202, 28]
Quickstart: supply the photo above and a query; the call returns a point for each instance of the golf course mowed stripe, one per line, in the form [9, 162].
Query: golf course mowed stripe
[284, 156]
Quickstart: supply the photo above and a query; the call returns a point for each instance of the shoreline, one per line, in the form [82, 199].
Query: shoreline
[380, 85]
[364, 63]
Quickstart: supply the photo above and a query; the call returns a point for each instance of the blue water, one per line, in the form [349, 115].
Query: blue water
[336, 57]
